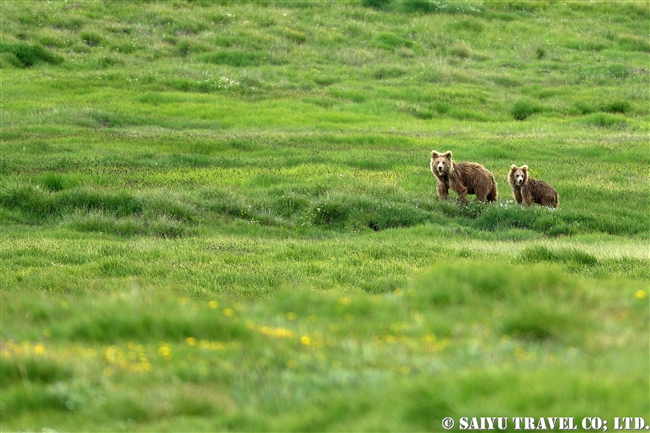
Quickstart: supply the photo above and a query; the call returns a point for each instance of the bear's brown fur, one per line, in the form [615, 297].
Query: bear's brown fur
[528, 190]
[463, 178]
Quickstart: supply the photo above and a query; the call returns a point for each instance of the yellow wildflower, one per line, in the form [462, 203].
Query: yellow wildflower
[165, 351]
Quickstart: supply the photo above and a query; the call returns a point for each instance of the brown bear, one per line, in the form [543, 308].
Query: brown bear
[528, 190]
[463, 178]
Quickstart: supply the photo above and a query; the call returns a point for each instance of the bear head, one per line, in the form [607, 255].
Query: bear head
[519, 175]
[441, 163]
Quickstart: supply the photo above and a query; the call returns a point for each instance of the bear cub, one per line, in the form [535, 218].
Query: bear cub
[463, 178]
[528, 190]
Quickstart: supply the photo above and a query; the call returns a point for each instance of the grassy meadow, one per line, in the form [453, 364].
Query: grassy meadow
[219, 216]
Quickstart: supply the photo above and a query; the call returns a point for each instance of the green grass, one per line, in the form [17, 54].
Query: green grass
[221, 216]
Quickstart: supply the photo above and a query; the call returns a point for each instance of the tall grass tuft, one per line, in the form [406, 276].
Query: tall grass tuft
[100, 222]
[523, 109]
[427, 406]
[447, 284]
[28, 198]
[39, 398]
[389, 41]
[93, 199]
[540, 318]
[435, 6]
[171, 205]
[376, 4]
[331, 211]
[603, 120]
[30, 55]
[509, 215]
[41, 370]
[231, 58]
[152, 320]
[563, 255]
[619, 106]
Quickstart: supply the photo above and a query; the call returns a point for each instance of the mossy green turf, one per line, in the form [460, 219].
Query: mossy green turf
[220, 216]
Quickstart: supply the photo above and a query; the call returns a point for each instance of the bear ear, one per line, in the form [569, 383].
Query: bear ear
[447, 154]
[524, 167]
[434, 154]
[513, 167]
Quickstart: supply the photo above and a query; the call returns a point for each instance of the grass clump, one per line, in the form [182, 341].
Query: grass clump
[55, 182]
[604, 120]
[571, 255]
[389, 41]
[139, 320]
[427, 406]
[376, 4]
[547, 303]
[331, 212]
[231, 58]
[33, 369]
[168, 204]
[387, 73]
[634, 43]
[434, 6]
[509, 215]
[621, 107]
[28, 198]
[448, 284]
[42, 399]
[295, 36]
[523, 109]
[26, 55]
[92, 39]
[541, 319]
[539, 303]
[99, 222]
[380, 215]
[93, 199]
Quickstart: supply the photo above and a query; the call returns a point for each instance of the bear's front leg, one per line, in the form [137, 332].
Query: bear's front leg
[442, 189]
[517, 195]
[527, 196]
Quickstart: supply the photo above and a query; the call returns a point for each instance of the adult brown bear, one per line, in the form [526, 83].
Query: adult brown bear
[463, 178]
